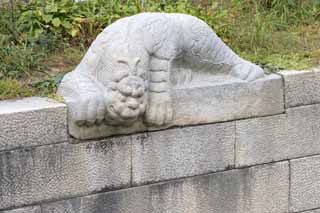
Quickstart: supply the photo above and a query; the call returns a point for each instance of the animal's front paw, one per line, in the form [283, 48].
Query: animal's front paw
[90, 110]
[246, 70]
[159, 112]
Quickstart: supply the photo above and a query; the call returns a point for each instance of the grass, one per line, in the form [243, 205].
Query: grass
[42, 83]
[275, 34]
[12, 88]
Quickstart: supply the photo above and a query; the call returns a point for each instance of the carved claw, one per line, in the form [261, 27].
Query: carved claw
[89, 111]
[247, 71]
[159, 113]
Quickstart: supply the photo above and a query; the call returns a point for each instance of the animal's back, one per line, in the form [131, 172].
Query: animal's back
[174, 35]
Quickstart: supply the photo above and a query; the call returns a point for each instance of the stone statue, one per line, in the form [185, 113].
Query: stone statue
[129, 70]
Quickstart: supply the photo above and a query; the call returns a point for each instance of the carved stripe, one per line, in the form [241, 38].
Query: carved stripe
[157, 77]
[159, 87]
[158, 64]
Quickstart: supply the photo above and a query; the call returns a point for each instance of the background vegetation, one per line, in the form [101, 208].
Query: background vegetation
[43, 39]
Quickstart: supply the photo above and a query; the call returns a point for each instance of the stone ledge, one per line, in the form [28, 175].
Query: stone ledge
[33, 175]
[31, 122]
[30, 209]
[207, 102]
[262, 189]
[274, 138]
[301, 87]
[305, 184]
[312, 211]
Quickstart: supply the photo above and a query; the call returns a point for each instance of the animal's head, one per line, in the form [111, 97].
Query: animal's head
[124, 76]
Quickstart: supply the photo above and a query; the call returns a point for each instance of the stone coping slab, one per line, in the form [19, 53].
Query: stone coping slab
[301, 87]
[209, 103]
[32, 122]
[29, 209]
[28, 104]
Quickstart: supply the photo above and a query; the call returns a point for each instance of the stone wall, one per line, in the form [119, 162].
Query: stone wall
[260, 162]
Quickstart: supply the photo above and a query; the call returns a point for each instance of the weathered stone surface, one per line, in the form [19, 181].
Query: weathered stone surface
[273, 138]
[301, 87]
[262, 140]
[31, 209]
[128, 77]
[262, 189]
[312, 211]
[62, 170]
[182, 152]
[32, 121]
[228, 101]
[305, 184]
[207, 102]
[304, 130]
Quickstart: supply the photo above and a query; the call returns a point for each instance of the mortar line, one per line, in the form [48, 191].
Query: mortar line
[235, 145]
[289, 192]
[308, 210]
[32, 146]
[131, 160]
[283, 90]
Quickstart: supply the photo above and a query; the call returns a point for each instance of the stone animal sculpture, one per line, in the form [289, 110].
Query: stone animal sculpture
[130, 68]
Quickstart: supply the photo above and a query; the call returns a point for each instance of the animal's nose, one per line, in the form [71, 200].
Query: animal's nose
[132, 104]
[134, 84]
[137, 88]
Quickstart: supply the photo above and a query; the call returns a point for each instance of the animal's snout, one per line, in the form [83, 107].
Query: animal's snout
[132, 86]
[133, 104]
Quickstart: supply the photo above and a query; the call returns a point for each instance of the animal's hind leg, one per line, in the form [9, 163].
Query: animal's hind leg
[208, 50]
[159, 109]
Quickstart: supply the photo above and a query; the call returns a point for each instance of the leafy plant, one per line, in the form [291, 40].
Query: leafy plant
[20, 60]
[49, 85]
[57, 17]
[37, 37]
[12, 88]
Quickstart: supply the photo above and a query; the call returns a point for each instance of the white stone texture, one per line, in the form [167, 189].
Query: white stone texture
[301, 87]
[304, 130]
[32, 122]
[38, 174]
[31, 209]
[305, 184]
[204, 103]
[262, 189]
[266, 139]
[262, 140]
[312, 211]
[128, 74]
[182, 152]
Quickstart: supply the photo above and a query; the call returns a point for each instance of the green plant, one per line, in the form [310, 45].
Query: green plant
[57, 17]
[42, 40]
[48, 86]
[12, 88]
[21, 60]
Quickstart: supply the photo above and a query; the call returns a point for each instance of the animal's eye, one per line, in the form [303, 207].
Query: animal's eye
[122, 67]
[119, 75]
